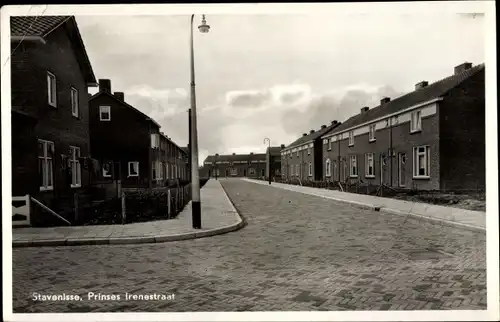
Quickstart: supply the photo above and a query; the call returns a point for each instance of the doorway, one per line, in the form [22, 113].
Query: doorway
[402, 169]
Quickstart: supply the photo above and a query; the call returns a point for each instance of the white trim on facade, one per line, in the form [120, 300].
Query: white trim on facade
[428, 108]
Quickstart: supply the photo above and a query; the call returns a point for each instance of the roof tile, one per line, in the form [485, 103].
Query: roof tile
[35, 25]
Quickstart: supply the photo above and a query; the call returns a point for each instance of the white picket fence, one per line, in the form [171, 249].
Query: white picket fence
[23, 210]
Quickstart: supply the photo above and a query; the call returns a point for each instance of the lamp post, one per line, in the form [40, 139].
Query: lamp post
[269, 158]
[195, 175]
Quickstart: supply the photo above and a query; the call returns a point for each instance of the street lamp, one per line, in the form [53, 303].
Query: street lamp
[269, 158]
[195, 175]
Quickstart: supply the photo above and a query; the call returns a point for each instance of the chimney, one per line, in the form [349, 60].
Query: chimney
[304, 134]
[120, 96]
[334, 122]
[282, 146]
[105, 85]
[311, 132]
[217, 154]
[323, 126]
[420, 85]
[462, 68]
[364, 109]
[234, 153]
[385, 100]
[251, 153]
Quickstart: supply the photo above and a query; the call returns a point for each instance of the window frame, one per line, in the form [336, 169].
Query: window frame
[416, 121]
[328, 165]
[75, 164]
[372, 128]
[351, 167]
[101, 107]
[45, 165]
[74, 96]
[351, 138]
[416, 161]
[110, 170]
[329, 144]
[155, 140]
[51, 89]
[310, 169]
[128, 169]
[367, 165]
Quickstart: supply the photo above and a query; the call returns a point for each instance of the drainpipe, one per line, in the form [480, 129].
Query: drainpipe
[390, 148]
[150, 179]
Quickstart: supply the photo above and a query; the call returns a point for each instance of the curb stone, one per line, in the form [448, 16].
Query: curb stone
[388, 210]
[134, 240]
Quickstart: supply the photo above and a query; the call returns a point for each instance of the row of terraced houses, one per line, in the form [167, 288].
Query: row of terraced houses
[430, 139]
[66, 141]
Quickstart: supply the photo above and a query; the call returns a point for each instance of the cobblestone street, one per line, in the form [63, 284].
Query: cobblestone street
[298, 252]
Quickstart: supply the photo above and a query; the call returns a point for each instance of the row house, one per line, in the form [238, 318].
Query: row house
[303, 158]
[430, 139]
[234, 165]
[273, 161]
[50, 77]
[129, 146]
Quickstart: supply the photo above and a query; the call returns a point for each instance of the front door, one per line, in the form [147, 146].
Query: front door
[244, 172]
[402, 169]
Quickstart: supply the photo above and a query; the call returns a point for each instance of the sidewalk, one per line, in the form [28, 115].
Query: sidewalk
[217, 214]
[475, 220]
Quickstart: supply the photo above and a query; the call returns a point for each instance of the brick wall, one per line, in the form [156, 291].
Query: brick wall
[402, 142]
[463, 144]
[30, 64]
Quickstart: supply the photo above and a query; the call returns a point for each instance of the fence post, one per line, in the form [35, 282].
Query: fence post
[169, 203]
[75, 201]
[124, 210]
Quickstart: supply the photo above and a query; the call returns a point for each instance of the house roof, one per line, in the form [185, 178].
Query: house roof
[236, 157]
[425, 94]
[100, 93]
[42, 26]
[313, 136]
[275, 150]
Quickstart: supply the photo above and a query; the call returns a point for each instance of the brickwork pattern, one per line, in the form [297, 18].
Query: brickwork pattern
[298, 252]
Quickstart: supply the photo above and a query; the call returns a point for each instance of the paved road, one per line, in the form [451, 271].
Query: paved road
[298, 252]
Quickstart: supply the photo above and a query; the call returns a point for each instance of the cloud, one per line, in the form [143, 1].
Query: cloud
[247, 99]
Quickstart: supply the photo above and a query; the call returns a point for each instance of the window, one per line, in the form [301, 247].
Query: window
[330, 143]
[74, 102]
[298, 149]
[45, 164]
[421, 162]
[310, 169]
[251, 171]
[416, 121]
[76, 169]
[105, 113]
[328, 168]
[106, 169]
[156, 167]
[51, 89]
[354, 167]
[369, 166]
[308, 151]
[133, 169]
[371, 134]
[155, 141]
[351, 138]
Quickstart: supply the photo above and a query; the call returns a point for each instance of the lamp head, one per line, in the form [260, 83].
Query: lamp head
[204, 28]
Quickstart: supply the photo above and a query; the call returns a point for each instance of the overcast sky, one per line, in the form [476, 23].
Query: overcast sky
[274, 76]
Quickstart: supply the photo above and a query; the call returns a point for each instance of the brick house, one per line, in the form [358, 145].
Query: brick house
[430, 139]
[234, 165]
[50, 77]
[302, 159]
[131, 150]
[273, 160]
